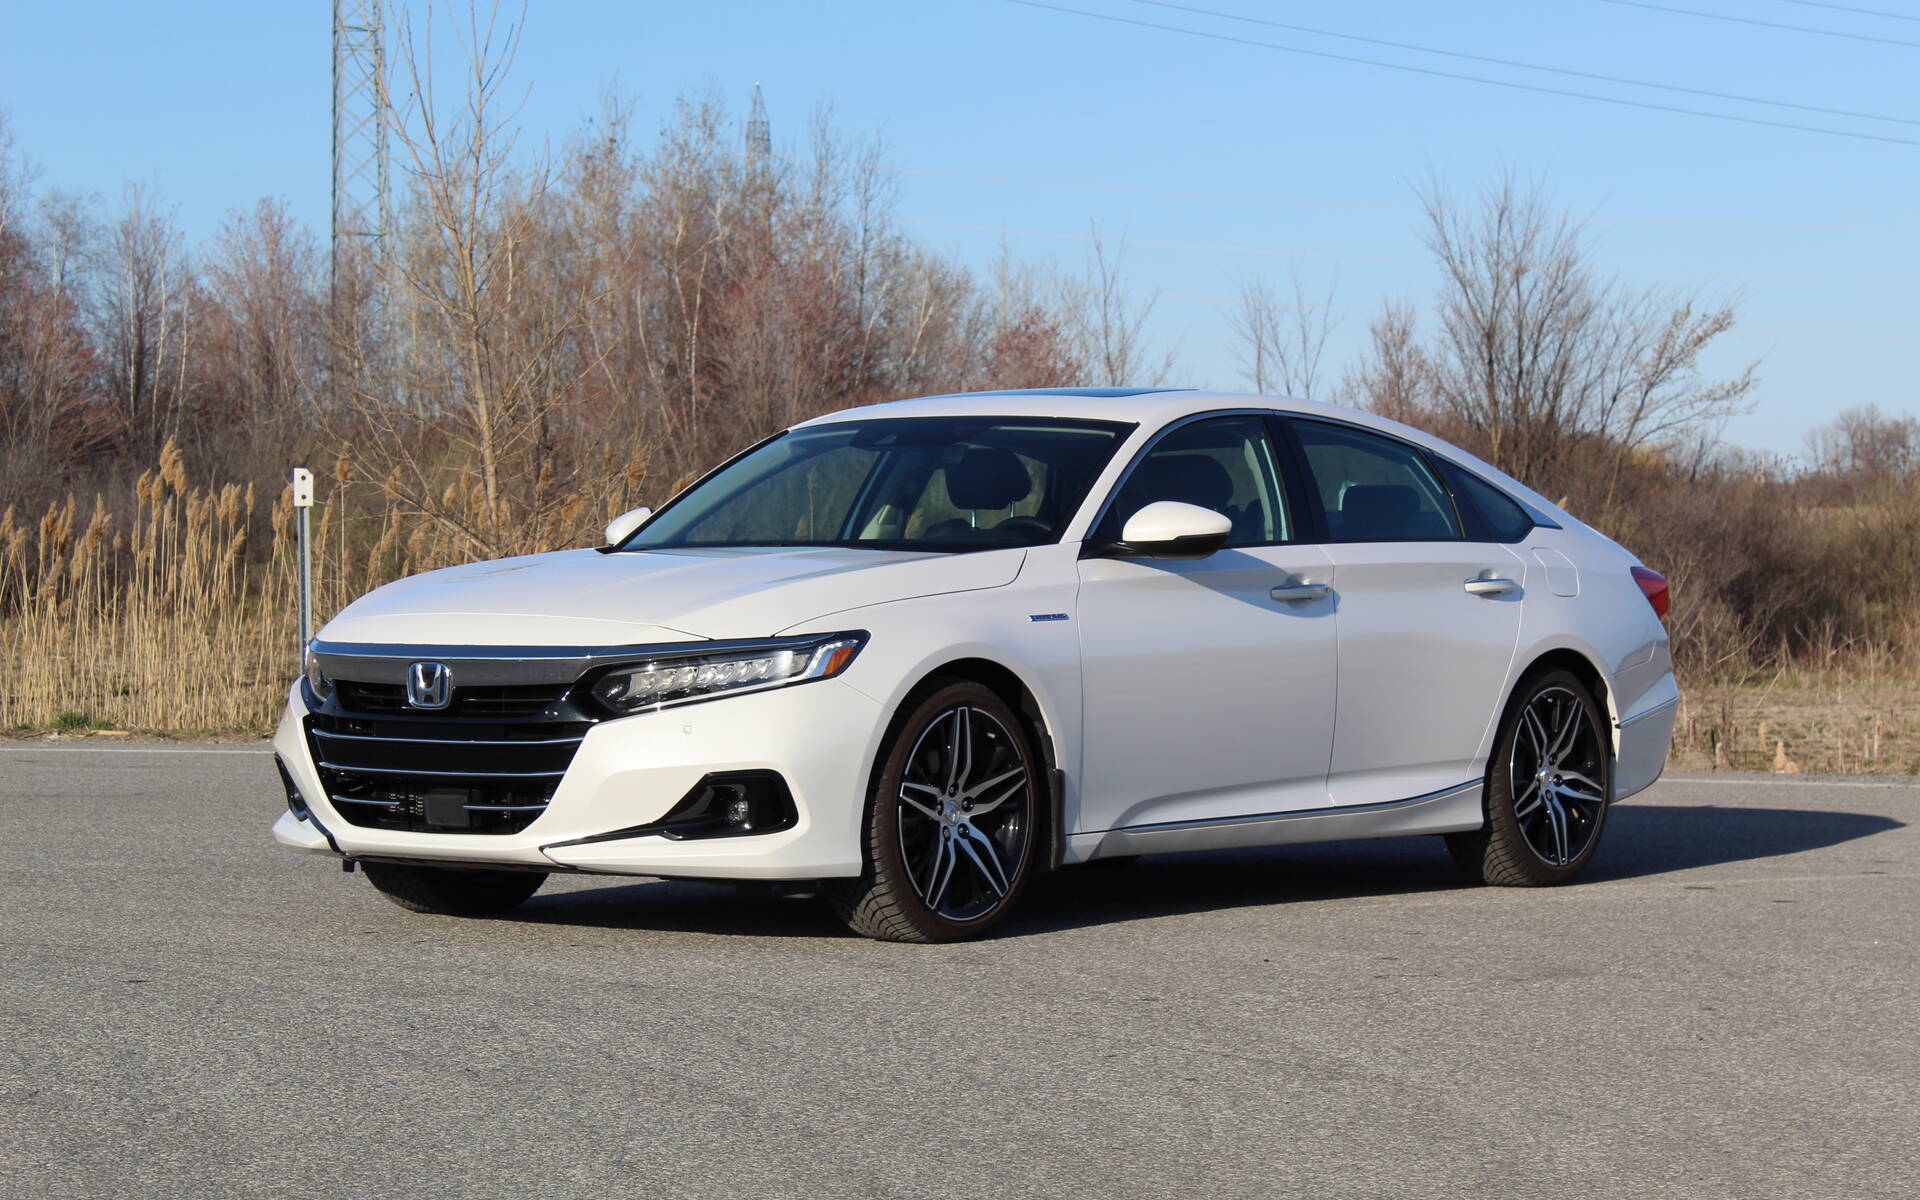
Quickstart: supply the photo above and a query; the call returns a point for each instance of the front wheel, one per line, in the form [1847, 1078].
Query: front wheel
[452, 891]
[951, 823]
[1547, 789]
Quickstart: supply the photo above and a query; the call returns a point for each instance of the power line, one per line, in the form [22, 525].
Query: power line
[1377, 206]
[1871, 12]
[1242, 249]
[1714, 16]
[1527, 66]
[1523, 87]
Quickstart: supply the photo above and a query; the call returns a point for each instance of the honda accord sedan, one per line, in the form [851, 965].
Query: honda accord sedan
[911, 655]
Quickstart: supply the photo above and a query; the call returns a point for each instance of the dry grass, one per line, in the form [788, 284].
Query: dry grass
[171, 621]
[1837, 721]
[161, 622]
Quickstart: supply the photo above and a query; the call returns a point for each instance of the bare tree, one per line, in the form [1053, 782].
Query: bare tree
[142, 291]
[1549, 365]
[1394, 379]
[48, 419]
[474, 364]
[1866, 444]
[1110, 321]
[262, 352]
[1281, 340]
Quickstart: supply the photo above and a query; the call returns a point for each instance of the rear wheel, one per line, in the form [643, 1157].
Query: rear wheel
[1547, 789]
[951, 824]
[453, 891]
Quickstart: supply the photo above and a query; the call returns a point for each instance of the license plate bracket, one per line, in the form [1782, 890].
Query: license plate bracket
[447, 807]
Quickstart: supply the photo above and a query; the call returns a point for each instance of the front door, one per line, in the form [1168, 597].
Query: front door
[1206, 697]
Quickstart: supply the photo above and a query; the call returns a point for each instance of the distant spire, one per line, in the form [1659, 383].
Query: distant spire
[759, 133]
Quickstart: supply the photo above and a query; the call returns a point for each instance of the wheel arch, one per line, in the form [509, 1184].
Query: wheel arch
[1019, 695]
[1581, 666]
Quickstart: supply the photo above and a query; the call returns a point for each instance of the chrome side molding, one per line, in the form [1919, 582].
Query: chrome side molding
[1642, 715]
[1449, 810]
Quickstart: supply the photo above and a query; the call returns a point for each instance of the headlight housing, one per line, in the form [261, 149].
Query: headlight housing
[673, 678]
[316, 679]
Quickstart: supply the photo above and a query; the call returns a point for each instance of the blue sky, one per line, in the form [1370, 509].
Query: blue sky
[1215, 160]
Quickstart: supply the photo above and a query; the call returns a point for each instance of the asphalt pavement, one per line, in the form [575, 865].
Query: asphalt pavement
[1725, 1006]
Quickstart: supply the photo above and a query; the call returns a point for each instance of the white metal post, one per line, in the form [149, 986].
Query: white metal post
[303, 527]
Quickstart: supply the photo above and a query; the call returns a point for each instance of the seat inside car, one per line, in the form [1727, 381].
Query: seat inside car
[1385, 512]
[1198, 479]
[988, 479]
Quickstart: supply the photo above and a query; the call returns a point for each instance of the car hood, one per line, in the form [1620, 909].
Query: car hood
[589, 598]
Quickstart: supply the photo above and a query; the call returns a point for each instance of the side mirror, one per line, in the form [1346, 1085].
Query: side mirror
[621, 527]
[1171, 529]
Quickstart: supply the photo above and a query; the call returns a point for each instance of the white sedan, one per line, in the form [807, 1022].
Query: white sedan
[913, 654]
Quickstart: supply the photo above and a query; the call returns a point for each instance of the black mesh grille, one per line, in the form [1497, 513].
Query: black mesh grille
[488, 763]
[515, 701]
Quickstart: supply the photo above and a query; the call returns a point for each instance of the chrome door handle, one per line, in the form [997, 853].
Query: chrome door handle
[1491, 587]
[1301, 591]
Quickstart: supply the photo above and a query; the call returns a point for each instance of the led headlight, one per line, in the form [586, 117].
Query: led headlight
[681, 678]
[317, 679]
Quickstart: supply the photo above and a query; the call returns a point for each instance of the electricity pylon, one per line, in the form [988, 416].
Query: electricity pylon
[362, 198]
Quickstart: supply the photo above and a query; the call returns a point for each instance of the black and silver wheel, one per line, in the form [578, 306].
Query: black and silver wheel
[453, 891]
[1547, 788]
[951, 823]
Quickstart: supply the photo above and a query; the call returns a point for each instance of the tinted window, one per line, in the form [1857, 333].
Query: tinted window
[1505, 520]
[919, 483]
[1224, 464]
[1374, 489]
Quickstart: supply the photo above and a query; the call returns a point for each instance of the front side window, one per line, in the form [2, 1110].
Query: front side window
[1222, 463]
[1374, 489]
[905, 483]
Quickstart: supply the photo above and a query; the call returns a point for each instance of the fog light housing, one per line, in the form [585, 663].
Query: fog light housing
[723, 804]
[731, 804]
[296, 803]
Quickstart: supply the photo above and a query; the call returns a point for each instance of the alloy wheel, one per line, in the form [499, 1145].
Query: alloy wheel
[1555, 773]
[964, 814]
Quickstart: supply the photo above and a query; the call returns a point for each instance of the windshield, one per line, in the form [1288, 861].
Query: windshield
[905, 483]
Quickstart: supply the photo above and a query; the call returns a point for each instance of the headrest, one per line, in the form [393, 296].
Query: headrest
[988, 477]
[1188, 478]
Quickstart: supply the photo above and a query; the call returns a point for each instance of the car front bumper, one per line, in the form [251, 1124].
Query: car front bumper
[819, 737]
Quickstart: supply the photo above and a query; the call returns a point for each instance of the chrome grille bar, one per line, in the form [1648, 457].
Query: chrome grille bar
[355, 770]
[368, 737]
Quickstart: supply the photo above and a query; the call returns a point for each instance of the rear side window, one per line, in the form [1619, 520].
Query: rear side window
[1500, 516]
[1374, 489]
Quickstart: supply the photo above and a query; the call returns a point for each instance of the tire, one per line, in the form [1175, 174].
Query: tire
[453, 891]
[1546, 791]
[951, 838]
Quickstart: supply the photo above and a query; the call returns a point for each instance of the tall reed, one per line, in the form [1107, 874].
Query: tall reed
[168, 618]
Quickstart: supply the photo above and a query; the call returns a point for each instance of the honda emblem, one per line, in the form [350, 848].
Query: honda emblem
[429, 685]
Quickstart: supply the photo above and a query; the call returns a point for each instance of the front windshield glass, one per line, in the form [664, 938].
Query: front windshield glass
[904, 483]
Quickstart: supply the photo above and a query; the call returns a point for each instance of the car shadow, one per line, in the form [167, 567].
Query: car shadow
[1642, 840]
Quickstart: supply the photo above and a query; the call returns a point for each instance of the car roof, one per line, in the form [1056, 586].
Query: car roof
[1152, 407]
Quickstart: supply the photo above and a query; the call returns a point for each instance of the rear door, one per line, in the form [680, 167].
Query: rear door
[1206, 695]
[1428, 620]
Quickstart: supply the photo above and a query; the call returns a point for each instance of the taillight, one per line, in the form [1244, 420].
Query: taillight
[1654, 585]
